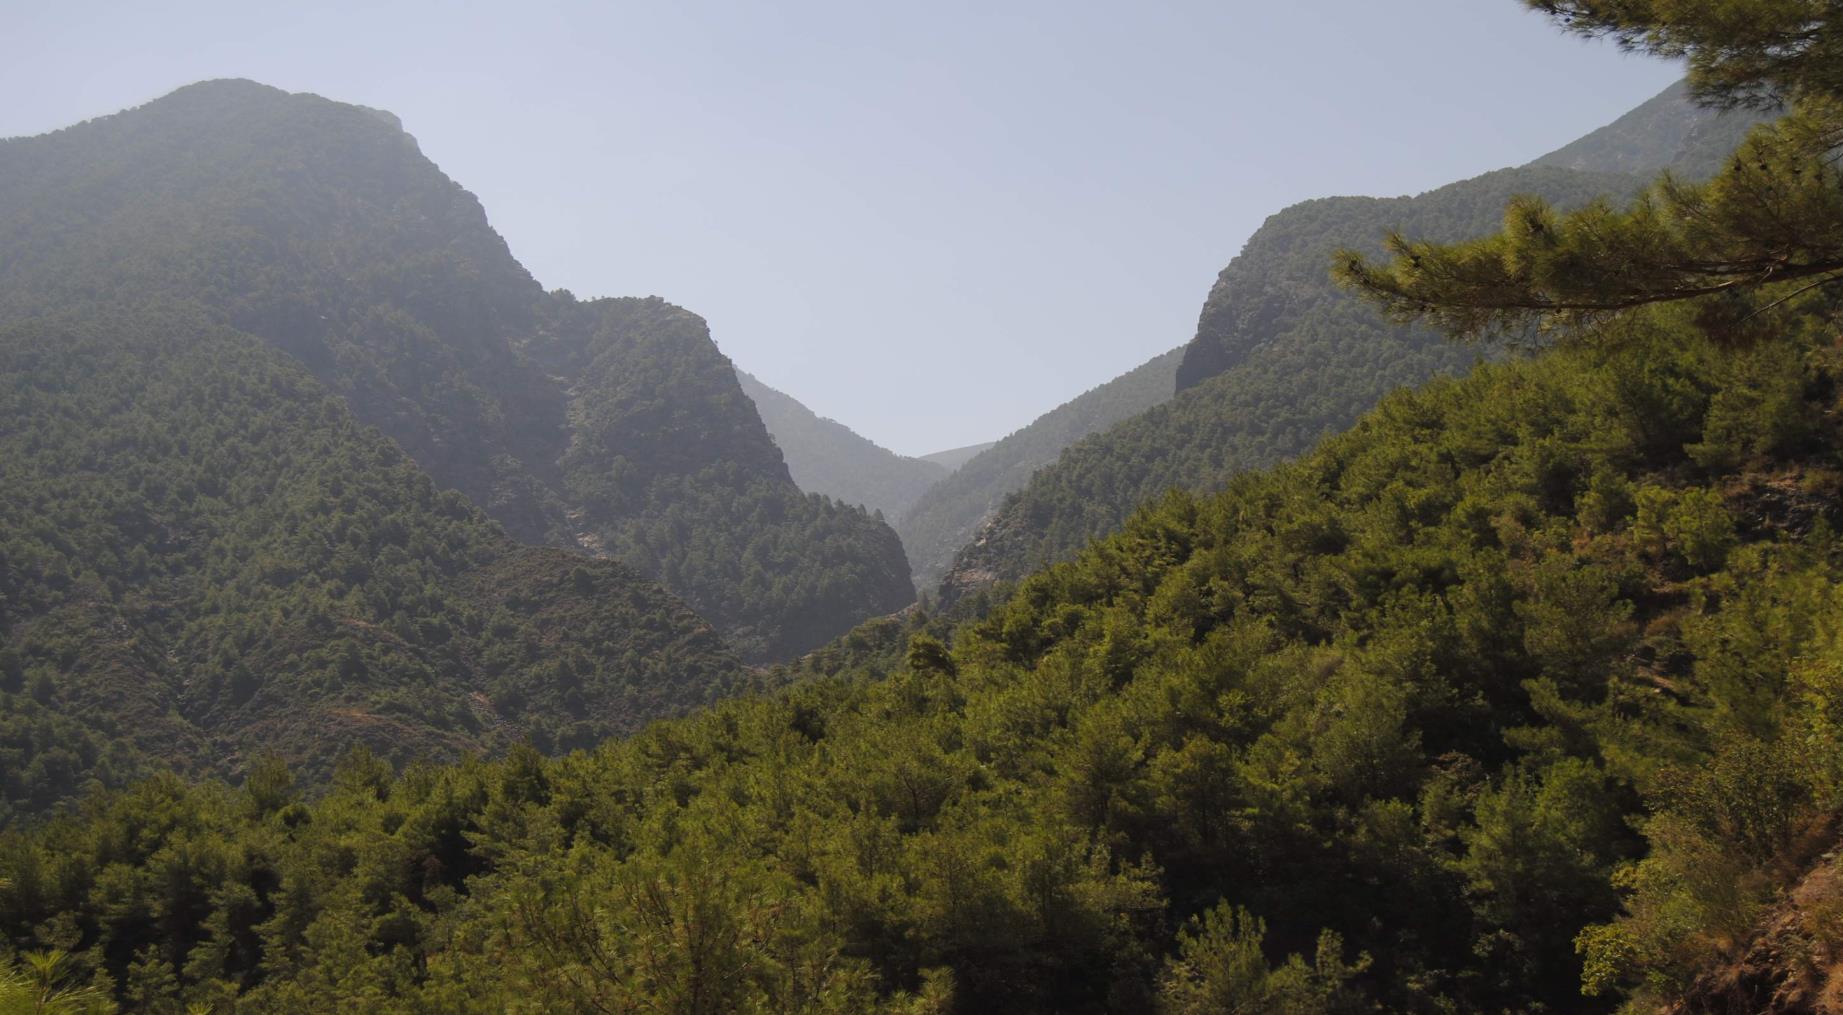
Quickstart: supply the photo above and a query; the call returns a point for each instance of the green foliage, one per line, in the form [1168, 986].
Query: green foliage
[1460, 706]
[1281, 359]
[610, 426]
[203, 557]
[1524, 692]
[36, 985]
[1277, 285]
[1769, 218]
[1740, 52]
[1219, 969]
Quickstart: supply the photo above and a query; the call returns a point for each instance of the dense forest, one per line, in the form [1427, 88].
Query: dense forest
[709, 509]
[1522, 693]
[947, 516]
[203, 558]
[321, 228]
[1393, 726]
[826, 456]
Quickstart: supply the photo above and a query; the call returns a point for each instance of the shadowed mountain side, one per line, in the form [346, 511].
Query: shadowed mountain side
[321, 228]
[825, 456]
[204, 557]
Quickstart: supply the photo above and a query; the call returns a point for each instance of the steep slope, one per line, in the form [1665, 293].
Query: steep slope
[1667, 132]
[321, 228]
[1279, 274]
[1420, 710]
[1282, 356]
[1788, 961]
[204, 557]
[1280, 282]
[950, 512]
[1298, 359]
[826, 456]
[710, 508]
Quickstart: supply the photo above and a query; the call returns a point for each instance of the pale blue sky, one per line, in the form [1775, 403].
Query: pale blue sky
[931, 221]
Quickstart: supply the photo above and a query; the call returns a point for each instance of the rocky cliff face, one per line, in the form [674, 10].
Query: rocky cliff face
[1792, 960]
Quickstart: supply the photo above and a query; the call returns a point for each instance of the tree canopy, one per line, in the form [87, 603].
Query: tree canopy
[1525, 684]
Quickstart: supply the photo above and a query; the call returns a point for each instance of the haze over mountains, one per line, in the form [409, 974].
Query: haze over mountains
[825, 456]
[314, 241]
[1304, 360]
[380, 631]
[210, 303]
[953, 458]
[1282, 357]
[949, 513]
[614, 425]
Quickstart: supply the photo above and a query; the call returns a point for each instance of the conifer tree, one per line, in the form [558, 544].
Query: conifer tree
[1772, 218]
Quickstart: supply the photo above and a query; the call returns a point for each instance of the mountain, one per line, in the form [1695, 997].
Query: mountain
[953, 458]
[1283, 357]
[1669, 131]
[1300, 360]
[1524, 685]
[609, 425]
[1280, 271]
[205, 558]
[947, 516]
[825, 456]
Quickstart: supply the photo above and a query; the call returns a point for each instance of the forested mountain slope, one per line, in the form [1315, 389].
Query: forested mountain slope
[950, 512]
[1280, 275]
[1282, 356]
[1305, 360]
[321, 228]
[204, 557]
[1417, 710]
[826, 456]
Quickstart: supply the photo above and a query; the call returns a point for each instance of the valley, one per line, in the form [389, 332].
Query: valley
[1449, 623]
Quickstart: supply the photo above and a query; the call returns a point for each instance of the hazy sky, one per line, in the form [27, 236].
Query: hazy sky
[931, 221]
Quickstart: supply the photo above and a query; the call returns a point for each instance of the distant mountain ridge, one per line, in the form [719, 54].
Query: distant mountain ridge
[1668, 131]
[321, 228]
[825, 456]
[953, 458]
[947, 516]
[1282, 357]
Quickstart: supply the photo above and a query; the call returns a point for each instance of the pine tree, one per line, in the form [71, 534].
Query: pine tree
[1772, 219]
[1740, 52]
